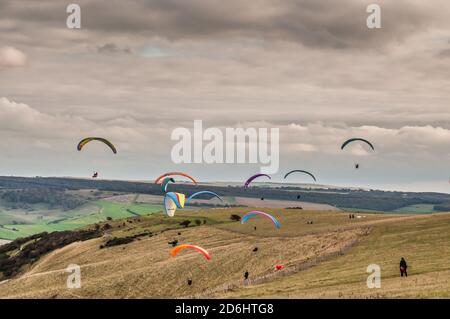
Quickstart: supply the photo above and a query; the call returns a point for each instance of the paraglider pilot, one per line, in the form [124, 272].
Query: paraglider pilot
[403, 267]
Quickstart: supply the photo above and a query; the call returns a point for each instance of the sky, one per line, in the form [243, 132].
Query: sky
[137, 70]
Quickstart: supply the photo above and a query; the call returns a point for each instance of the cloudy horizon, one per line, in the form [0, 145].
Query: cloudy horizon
[135, 71]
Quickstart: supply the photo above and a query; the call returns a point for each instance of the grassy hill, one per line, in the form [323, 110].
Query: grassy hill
[20, 223]
[325, 259]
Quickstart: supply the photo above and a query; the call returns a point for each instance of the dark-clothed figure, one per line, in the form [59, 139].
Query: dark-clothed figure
[246, 275]
[189, 282]
[173, 243]
[403, 267]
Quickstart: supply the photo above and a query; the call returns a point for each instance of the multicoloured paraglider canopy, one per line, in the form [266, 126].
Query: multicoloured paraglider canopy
[300, 171]
[254, 213]
[176, 174]
[172, 201]
[351, 140]
[86, 140]
[248, 181]
[178, 248]
[202, 193]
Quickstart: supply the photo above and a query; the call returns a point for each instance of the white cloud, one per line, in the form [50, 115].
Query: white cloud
[301, 147]
[11, 57]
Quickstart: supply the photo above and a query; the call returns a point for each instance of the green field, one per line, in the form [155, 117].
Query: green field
[416, 209]
[67, 220]
[412, 209]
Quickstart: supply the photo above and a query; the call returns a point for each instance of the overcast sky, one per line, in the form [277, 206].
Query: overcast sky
[136, 70]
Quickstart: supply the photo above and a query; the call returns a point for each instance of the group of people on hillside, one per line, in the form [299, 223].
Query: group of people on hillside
[403, 270]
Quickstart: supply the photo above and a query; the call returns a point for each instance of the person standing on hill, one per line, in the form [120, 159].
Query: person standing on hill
[403, 267]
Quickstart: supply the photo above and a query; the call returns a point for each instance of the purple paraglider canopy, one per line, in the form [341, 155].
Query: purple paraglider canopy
[254, 177]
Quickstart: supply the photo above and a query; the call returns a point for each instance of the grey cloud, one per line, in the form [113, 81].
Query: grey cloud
[112, 48]
[444, 53]
[260, 63]
[321, 24]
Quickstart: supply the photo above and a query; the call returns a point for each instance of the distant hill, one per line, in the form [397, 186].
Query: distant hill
[346, 198]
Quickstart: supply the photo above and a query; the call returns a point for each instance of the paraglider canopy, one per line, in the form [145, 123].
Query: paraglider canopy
[178, 248]
[175, 173]
[86, 140]
[172, 201]
[300, 171]
[202, 193]
[351, 140]
[166, 182]
[254, 213]
[248, 181]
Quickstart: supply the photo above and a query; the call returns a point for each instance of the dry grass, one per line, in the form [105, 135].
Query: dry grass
[273, 203]
[144, 268]
[422, 240]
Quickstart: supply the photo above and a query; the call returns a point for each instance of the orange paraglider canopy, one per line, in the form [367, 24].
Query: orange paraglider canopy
[157, 181]
[175, 250]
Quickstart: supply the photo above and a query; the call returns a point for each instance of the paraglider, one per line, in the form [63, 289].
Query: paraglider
[177, 174]
[351, 140]
[201, 193]
[86, 140]
[95, 175]
[248, 181]
[300, 171]
[172, 201]
[357, 139]
[279, 267]
[254, 213]
[165, 183]
[178, 248]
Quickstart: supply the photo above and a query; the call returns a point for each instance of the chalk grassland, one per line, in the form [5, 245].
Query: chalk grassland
[254, 202]
[325, 259]
[422, 240]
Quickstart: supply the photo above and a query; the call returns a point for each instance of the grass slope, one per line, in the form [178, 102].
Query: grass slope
[325, 259]
[423, 241]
